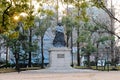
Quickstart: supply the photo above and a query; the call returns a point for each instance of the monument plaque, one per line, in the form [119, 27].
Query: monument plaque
[60, 55]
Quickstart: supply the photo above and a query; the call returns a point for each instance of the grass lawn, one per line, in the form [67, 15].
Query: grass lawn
[7, 70]
[110, 68]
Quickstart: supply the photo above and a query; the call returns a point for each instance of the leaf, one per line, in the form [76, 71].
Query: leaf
[14, 35]
[105, 38]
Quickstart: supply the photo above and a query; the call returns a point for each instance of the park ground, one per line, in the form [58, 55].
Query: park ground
[65, 75]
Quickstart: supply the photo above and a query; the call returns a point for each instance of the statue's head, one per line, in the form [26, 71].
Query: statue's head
[59, 24]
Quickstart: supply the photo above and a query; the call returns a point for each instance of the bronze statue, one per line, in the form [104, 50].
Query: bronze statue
[59, 40]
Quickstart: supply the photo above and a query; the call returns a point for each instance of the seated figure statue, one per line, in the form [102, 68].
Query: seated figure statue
[59, 40]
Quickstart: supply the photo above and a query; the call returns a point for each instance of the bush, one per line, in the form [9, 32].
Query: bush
[92, 63]
[23, 65]
[85, 63]
[2, 63]
[36, 64]
[108, 62]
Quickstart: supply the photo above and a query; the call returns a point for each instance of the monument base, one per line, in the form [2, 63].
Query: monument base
[60, 61]
[60, 58]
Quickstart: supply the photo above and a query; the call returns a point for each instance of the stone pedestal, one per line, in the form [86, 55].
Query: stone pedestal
[60, 58]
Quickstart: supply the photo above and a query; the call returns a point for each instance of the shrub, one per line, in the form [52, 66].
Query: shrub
[92, 63]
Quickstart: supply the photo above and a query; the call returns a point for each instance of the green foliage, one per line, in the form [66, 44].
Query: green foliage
[43, 26]
[49, 12]
[69, 24]
[90, 27]
[16, 39]
[45, 22]
[82, 13]
[22, 37]
[8, 11]
[68, 21]
[69, 1]
[83, 36]
[84, 4]
[90, 48]
[98, 3]
[105, 38]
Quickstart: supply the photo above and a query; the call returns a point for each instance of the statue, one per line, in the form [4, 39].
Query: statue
[59, 40]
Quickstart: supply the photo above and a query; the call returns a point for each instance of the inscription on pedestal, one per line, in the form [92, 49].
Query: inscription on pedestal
[60, 55]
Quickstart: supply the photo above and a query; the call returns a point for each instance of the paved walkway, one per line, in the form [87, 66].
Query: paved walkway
[49, 74]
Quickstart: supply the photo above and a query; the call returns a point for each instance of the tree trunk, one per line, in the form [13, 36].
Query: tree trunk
[67, 41]
[78, 46]
[78, 50]
[6, 56]
[88, 60]
[42, 66]
[71, 48]
[112, 30]
[30, 43]
[17, 61]
[5, 13]
[97, 55]
[57, 11]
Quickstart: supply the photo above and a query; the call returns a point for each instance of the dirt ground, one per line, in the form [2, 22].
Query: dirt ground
[38, 75]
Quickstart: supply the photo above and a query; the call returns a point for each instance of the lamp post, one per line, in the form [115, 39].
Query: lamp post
[107, 50]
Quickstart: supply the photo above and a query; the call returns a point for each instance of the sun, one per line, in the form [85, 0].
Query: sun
[16, 18]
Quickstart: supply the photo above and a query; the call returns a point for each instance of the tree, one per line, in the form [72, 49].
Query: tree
[69, 26]
[101, 4]
[43, 25]
[86, 40]
[81, 17]
[11, 15]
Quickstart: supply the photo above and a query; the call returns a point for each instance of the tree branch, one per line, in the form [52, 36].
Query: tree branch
[108, 12]
[106, 28]
[5, 12]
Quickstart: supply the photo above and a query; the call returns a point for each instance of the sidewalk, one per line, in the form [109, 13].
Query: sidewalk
[44, 75]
